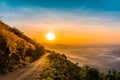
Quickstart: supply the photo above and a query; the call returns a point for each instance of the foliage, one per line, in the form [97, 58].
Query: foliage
[59, 68]
[15, 50]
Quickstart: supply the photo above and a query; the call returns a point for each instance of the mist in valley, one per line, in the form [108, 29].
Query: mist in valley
[104, 57]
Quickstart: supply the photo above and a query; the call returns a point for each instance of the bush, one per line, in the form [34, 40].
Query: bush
[16, 49]
[59, 68]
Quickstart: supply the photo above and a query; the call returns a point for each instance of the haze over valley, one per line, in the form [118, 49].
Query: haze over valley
[104, 57]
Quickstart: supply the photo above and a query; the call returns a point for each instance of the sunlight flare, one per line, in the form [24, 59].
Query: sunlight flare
[50, 36]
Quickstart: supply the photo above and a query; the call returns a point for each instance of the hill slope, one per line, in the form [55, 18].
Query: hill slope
[16, 49]
[29, 72]
[59, 68]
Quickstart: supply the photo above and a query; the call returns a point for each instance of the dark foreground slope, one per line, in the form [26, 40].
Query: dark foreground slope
[59, 68]
[16, 49]
[29, 72]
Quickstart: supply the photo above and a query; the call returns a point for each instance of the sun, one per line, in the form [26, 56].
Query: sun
[50, 36]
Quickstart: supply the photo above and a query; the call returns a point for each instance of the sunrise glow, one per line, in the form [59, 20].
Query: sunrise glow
[50, 36]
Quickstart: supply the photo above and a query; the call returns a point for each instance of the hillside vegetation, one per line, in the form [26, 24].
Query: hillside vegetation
[16, 49]
[59, 68]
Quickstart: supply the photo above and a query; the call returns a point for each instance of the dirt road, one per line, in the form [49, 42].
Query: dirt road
[29, 72]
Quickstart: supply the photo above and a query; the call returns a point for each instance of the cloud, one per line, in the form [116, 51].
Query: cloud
[103, 58]
[86, 23]
[33, 13]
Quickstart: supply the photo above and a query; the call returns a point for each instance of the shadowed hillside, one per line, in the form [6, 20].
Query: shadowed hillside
[16, 49]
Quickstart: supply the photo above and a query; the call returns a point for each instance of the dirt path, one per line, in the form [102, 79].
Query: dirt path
[29, 72]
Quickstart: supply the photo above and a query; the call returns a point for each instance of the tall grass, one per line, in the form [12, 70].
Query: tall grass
[16, 51]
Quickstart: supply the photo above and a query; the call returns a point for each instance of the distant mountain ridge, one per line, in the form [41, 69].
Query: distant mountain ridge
[64, 46]
[16, 49]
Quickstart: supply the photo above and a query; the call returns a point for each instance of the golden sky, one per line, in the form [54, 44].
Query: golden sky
[70, 32]
[70, 27]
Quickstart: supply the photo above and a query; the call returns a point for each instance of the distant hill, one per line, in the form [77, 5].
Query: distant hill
[66, 46]
[16, 49]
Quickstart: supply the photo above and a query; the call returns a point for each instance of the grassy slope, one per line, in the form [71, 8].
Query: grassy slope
[59, 68]
[16, 49]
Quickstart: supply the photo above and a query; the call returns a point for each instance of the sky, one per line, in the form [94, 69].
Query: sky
[72, 21]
